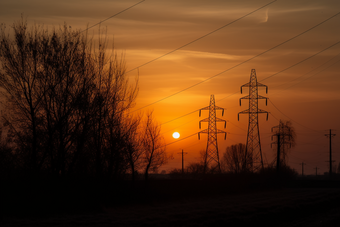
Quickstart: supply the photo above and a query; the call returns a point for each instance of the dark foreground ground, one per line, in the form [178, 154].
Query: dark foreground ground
[183, 203]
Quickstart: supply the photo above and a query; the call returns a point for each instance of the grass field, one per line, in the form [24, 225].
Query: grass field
[200, 203]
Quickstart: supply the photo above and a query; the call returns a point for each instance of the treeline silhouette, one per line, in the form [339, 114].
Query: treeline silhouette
[65, 108]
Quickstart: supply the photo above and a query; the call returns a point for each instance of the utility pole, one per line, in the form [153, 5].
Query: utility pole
[316, 171]
[330, 135]
[253, 145]
[302, 164]
[183, 153]
[211, 155]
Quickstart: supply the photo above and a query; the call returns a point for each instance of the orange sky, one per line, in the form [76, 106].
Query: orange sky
[305, 92]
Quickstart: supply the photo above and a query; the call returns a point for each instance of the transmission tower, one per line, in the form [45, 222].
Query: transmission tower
[211, 158]
[283, 138]
[253, 145]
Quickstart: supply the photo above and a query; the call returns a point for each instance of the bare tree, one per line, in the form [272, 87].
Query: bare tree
[134, 150]
[154, 154]
[19, 78]
[234, 158]
[67, 101]
[114, 97]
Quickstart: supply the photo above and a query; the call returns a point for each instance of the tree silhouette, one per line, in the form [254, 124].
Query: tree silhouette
[67, 101]
[153, 145]
[234, 158]
[134, 149]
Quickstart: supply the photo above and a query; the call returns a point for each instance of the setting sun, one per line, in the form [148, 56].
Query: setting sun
[176, 135]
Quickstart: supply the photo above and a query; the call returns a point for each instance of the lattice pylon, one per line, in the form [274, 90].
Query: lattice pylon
[253, 145]
[211, 158]
[283, 139]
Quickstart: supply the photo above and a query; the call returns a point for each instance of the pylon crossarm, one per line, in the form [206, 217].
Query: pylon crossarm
[220, 108]
[203, 131]
[220, 120]
[262, 85]
[245, 85]
[275, 127]
[220, 131]
[204, 120]
[245, 97]
[205, 108]
[242, 112]
[247, 111]
[262, 97]
[262, 111]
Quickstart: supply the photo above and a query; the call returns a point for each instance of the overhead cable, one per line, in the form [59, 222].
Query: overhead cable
[249, 59]
[195, 40]
[113, 16]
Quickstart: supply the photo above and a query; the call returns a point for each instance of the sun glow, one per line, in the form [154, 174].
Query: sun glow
[176, 135]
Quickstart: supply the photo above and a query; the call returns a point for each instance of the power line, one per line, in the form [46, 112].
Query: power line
[279, 85]
[195, 40]
[313, 74]
[302, 60]
[191, 145]
[290, 118]
[181, 139]
[235, 134]
[310, 72]
[307, 134]
[314, 144]
[178, 126]
[269, 99]
[294, 66]
[266, 51]
[179, 117]
[228, 96]
[236, 125]
[113, 16]
[190, 120]
[274, 116]
[235, 142]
